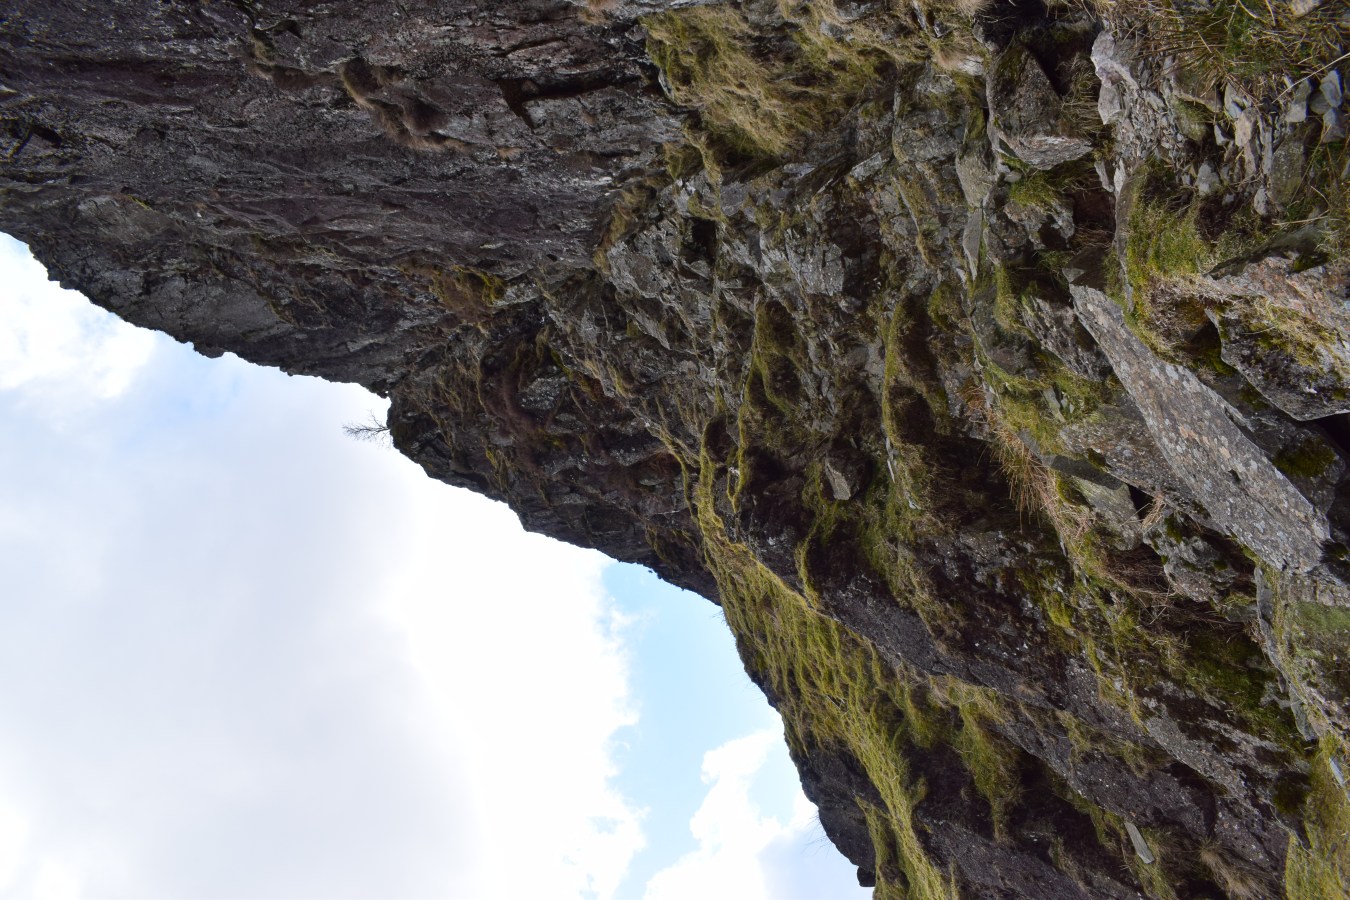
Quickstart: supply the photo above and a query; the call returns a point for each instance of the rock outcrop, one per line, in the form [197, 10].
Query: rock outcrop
[987, 363]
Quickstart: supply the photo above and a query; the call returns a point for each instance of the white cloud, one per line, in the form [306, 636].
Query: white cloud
[13, 838]
[530, 649]
[730, 829]
[245, 656]
[54, 881]
[55, 342]
[744, 853]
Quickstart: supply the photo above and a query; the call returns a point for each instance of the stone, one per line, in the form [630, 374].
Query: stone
[1141, 848]
[1286, 171]
[1301, 368]
[1235, 102]
[1296, 107]
[1223, 470]
[1330, 89]
[976, 175]
[1026, 113]
[1206, 179]
[1058, 331]
[1333, 126]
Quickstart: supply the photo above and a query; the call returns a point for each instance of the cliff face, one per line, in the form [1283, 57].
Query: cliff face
[987, 365]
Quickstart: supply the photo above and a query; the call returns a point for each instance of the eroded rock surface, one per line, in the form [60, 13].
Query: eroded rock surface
[961, 360]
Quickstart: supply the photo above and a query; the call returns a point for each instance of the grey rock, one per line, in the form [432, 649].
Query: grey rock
[1330, 89]
[1305, 373]
[1333, 126]
[976, 175]
[1115, 512]
[1235, 102]
[1296, 107]
[1059, 332]
[1223, 470]
[1206, 179]
[1026, 113]
[465, 205]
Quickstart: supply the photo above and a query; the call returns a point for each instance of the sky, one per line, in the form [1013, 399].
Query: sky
[246, 656]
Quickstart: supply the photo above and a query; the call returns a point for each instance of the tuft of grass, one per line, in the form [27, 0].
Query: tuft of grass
[1253, 43]
[1163, 241]
[759, 92]
[1327, 188]
[1235, 876]
[598, 12]
[747, 98]
[1036, 190]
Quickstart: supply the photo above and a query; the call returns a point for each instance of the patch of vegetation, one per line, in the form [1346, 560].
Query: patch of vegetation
[1036, 190]
[1290, 331]
[1326, 197]
[467, 292]
[1112, 834]
[835, 691]
[747, 99]
[1255, 43]
[1308, 460]
[758, 93]
[991, 760]
[1226, 667]
[1320, 870]
[1174, 237]
[1164, 240]
[1087, 740]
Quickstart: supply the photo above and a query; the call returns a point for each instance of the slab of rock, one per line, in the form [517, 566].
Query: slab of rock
[1027, 114]
[1305, 377]
[1241, 489]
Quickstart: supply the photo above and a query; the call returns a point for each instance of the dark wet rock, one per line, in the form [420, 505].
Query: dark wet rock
[1026, 112]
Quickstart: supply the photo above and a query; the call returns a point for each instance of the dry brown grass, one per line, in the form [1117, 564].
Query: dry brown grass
[1237, 879]
[971, 8]
[598, 12]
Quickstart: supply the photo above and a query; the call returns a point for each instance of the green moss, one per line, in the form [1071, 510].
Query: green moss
[991, 760]
[1088, 740]
[1155, 878]
[835, 691]
[1312, 638]
[1290, 793]
[1320, 869]
[1308, 460]
[1036, 190]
